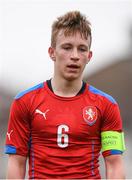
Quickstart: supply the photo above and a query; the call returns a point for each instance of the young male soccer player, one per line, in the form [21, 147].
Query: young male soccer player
[62, 124]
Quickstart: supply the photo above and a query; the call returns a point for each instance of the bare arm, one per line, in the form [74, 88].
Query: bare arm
[16, 167]
[114, 167]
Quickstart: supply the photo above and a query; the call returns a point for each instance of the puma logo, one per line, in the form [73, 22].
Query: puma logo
[9, 135]
[42, 113]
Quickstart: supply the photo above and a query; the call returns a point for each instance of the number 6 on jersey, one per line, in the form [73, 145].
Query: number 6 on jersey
[62, 139]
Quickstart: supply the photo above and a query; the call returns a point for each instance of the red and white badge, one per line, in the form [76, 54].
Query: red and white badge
[90, 115]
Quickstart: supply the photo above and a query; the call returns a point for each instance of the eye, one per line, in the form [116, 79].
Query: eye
[66, 48]
[83, 49]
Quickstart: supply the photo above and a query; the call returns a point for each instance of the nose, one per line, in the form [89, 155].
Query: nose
[74, 54]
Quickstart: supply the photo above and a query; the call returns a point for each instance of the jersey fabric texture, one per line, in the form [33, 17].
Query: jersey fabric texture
[61, 135]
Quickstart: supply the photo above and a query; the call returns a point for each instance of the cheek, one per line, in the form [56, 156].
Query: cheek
[62, 58]
[65, 55]
[60, 61]
[84, 60]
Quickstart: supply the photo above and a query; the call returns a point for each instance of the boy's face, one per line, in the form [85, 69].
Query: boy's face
[70, 55]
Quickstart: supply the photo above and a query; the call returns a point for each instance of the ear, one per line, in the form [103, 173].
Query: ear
[51, 52]
[90, 54]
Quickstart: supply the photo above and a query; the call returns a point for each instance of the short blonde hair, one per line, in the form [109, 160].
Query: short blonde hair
[71, 23]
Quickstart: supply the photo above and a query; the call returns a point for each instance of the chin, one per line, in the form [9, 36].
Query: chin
[71, 78]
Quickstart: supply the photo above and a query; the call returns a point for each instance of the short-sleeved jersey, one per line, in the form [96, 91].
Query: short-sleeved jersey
[61, 135]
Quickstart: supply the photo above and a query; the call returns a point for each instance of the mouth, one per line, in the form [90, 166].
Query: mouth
[73, 66]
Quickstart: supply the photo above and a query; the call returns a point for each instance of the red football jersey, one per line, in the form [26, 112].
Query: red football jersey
[61, 135]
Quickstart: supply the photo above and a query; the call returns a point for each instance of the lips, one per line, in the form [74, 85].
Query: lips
[73, 66]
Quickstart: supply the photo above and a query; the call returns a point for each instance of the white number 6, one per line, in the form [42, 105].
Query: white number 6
[62, 139]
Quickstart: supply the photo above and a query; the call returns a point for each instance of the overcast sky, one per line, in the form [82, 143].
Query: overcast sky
[25, 27]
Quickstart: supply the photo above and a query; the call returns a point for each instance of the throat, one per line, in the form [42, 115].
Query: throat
[66, 89]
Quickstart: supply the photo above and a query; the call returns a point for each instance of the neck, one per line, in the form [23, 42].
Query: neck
[66, 88]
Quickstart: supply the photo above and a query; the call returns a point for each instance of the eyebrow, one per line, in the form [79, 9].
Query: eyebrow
[67, 44]
[70, 44]
[83, 45]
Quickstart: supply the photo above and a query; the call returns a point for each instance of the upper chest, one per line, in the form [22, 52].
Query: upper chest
[80, 116]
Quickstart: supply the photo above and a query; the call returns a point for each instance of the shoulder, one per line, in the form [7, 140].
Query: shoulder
[101, 94]
[30, 90]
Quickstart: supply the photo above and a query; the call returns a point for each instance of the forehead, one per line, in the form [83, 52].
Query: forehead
[72, 38]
